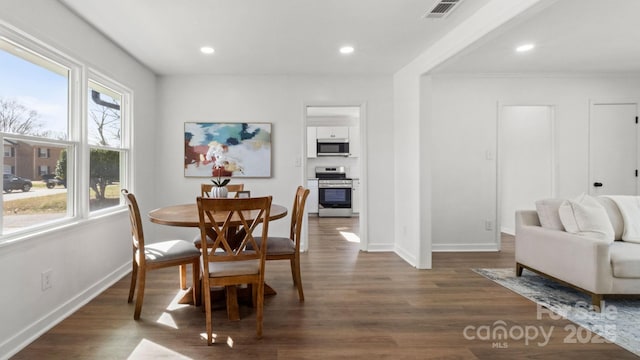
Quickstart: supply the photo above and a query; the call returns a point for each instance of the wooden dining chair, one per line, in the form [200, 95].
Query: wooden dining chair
[147, 257]
[227, 265]
[205, 190]
[288, 248]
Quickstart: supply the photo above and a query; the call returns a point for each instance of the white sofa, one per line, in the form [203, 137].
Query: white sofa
[585, 261]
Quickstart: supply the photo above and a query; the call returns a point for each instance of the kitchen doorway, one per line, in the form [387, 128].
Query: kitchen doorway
[342, 125]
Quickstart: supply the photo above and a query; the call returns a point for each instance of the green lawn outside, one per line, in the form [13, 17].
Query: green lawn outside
[57, 203]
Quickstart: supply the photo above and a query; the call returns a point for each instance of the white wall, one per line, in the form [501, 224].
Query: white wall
[278, 100]
[408, 165]
[465, 117]
[526, 160]
[414, 154]
[90, 256]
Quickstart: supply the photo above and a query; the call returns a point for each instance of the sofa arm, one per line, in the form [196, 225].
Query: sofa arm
[579, 260]
[527, 217]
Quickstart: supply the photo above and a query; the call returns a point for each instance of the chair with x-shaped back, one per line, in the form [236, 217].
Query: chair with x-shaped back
[227, 264]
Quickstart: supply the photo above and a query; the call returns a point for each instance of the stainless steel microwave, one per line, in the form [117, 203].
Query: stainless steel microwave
[333, 147]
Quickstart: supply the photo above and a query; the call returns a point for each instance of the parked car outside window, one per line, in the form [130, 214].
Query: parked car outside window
[11, 182]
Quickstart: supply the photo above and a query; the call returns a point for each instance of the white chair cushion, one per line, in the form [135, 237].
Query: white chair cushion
[280, 246]
[234, 268]
[586, 217]
[277, 245]
[547, 210]
[169, 250]
[197, 240]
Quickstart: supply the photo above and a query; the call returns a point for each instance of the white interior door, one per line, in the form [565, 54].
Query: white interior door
[613, 153]
[526, 160]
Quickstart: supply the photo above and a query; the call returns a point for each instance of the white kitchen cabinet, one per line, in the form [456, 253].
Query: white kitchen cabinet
[332, 132]
[312, 149]
[312, 199]
[355, 196]
[354, 141]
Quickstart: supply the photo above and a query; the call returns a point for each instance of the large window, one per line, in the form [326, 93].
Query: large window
[52, 150]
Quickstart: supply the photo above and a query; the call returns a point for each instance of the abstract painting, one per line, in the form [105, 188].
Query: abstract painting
[227, 149]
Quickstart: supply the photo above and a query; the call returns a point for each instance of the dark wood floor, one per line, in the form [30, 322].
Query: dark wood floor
[358, 306]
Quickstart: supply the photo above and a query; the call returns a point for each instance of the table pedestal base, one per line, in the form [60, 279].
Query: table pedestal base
[232, 297]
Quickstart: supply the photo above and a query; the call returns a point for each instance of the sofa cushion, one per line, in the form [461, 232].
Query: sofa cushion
[547, 210]
[625, 259]
[586, 217]
[629, 207]
[615, 217]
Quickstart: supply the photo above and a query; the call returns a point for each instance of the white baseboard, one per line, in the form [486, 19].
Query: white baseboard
[406, 256]
[488, 247]
[380, 247]
[29, 334]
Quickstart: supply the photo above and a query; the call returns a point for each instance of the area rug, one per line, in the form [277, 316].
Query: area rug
[619, 322]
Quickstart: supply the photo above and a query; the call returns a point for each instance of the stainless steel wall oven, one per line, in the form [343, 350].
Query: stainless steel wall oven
[334, 192]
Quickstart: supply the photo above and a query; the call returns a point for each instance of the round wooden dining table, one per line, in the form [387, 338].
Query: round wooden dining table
[186, 215]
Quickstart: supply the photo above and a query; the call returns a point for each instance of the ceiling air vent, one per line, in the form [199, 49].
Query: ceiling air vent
[441, 9]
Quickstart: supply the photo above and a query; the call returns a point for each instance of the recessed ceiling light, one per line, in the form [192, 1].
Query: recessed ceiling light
[346, 49]
[207, 50]
[525, 47]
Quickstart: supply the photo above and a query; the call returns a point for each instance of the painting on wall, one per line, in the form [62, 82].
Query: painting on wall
[227, 149]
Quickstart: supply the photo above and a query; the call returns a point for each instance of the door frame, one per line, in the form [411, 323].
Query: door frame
[610, 101]
[499, 168]
[364, 213]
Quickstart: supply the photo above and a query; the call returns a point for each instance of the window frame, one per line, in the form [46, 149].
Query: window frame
[77, 142]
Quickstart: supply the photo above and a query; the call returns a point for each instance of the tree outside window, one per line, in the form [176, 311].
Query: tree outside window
[105, 138]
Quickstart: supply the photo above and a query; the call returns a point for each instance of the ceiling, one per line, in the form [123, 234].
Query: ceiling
[571, 36]
[303, 36]
[271, 37]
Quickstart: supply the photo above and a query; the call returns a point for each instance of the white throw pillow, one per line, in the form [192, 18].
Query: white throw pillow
[585, 216]
[547, 210]
[614, 215]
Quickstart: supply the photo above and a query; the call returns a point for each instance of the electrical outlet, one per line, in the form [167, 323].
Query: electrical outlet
[488, 225]
[47, 281]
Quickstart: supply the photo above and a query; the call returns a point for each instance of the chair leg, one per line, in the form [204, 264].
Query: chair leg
[292, 262]
[134, 277]
[297, 278]
[142, 274]
[207, 306]
[195, 268]
[259, 308]
[183, 277]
